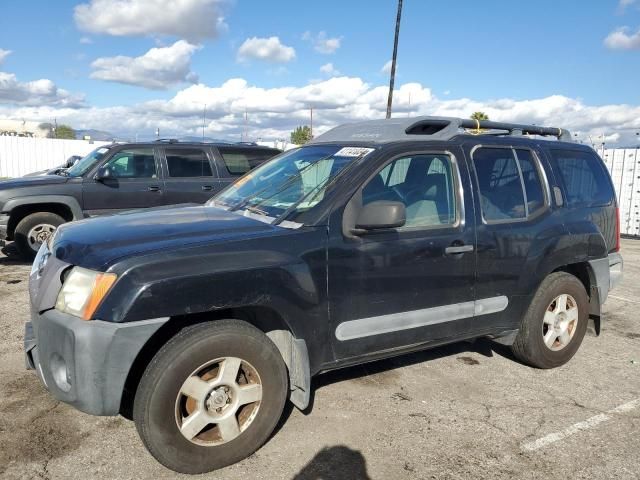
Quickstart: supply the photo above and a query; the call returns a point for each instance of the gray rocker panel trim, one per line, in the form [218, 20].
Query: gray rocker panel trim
[394, 322]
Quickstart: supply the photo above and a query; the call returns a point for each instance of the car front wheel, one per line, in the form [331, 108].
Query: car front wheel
[33, 230]
[211, 396]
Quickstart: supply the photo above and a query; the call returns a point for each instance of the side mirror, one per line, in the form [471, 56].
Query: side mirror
[379, 215]
[103, 173]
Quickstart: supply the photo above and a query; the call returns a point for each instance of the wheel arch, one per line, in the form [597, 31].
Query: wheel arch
[19, 208]
[293, 350]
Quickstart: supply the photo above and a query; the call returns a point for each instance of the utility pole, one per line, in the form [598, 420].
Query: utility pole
[204, 119]
[393, 60]
[311, 123]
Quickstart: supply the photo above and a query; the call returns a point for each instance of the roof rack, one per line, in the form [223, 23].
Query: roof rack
[432, 128]
[167, 140]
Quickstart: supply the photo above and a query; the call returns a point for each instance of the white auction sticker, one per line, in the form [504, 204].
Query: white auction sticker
[353, 152]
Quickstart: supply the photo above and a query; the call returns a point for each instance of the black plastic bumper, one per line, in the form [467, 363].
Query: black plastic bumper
[85, 363]
[4, 222]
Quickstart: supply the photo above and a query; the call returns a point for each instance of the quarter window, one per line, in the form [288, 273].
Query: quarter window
[188, 162]
[133, 163]
[239, 161]
[509, 183]
[584, 178]
[423, 183]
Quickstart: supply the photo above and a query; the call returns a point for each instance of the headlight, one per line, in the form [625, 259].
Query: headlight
[82, 292]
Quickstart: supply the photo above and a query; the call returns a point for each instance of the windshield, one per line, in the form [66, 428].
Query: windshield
[85, 164]
[292, 182]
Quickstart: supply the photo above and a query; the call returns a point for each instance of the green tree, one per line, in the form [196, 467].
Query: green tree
[65, 131]
[301, 135]
[479, 116]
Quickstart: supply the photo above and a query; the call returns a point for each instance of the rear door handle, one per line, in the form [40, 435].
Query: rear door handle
[207, 188]
[458, 249]
[154, 188]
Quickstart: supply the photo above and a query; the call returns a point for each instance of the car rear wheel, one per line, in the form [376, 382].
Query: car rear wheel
[33, 230]
[211, 396]
[555, 323]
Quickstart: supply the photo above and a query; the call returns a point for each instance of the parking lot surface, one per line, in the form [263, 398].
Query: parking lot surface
[463, 411]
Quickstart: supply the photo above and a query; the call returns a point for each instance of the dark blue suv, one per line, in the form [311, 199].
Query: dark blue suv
[375, 239]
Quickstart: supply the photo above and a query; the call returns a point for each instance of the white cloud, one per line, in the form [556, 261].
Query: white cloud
[274, 112]
[86, 40]
[36, 92]
[4, 54]
[193, 20]
[322, 43]
[329, 69]
[159, 68]
[623, 4]
[268, 49]
[621, 39]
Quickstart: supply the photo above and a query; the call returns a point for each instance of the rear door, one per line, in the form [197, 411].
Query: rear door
[190, 174]
[135, 182]
[235, 161]
[513, 218]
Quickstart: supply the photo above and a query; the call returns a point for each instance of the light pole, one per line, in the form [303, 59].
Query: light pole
[393, 59]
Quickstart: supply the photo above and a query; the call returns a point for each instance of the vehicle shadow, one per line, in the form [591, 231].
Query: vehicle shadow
[11, 256]
[335, 463]
[482, 346]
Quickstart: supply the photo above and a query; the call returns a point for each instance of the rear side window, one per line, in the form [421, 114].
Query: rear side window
[188, 162]
[584, 179]
[240, 160]
[509, 183]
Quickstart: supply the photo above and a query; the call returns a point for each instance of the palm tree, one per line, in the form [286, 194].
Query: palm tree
[479, 116]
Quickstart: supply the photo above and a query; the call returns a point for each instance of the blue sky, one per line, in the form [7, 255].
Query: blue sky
[483, 52]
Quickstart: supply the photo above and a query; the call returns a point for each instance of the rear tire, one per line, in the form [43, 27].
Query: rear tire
[555, 323]
[33, 230]
[195, 407]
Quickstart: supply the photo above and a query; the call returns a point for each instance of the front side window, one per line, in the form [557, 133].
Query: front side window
[423, 183]
[294, 182]
[584, 179]
[509, 182]
[133, 163]
[188, 162]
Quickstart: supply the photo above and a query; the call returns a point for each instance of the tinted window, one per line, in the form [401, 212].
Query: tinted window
[531, 179]
[133, 163]
[423, 183]
[501, 195]
[240, 160]
[188, 162]
[584, 179]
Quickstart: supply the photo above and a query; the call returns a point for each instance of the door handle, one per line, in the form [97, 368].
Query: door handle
[453, 250]
[154, 188]
[207, 188]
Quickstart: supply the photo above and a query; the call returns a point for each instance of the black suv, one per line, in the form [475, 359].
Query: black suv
[375, 239]
[120, 177]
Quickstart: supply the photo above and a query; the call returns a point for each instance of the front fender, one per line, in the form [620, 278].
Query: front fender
[67, 200]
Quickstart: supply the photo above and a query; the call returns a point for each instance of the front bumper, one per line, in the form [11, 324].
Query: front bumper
[4, 222]
[85, 363]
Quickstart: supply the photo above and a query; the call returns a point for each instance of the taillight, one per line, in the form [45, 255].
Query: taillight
[617, 249]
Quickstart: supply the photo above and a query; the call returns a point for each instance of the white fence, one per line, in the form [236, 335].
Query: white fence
[624, 166]
[22, 155]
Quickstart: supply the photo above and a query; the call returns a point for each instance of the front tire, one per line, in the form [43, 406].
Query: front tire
[211, 396]
[33, 230]
[555, 323]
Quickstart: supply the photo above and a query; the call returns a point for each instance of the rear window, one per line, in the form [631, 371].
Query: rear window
[240, 160]
[188, 162]
[584, 180]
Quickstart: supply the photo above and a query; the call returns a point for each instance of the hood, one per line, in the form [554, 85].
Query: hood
[96, 243]
[32, 181]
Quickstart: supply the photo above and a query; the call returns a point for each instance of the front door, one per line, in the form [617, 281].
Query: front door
[134, 182]
[398, 288]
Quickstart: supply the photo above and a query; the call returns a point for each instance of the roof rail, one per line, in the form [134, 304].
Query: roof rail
[431, 128]
[167, 140]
